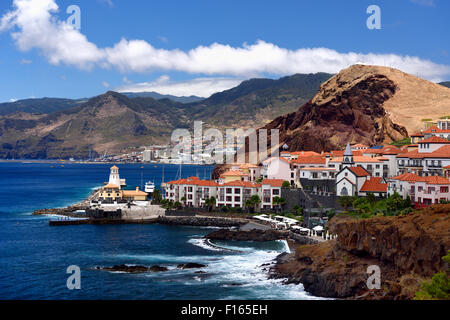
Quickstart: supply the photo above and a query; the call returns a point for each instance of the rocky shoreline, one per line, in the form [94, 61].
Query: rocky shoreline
[407, 249]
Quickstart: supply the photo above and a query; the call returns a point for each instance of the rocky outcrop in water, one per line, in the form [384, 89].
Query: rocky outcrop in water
[407, 249]
[133, 269]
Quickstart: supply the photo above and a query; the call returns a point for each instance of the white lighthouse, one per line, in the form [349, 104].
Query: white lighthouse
[114, 177]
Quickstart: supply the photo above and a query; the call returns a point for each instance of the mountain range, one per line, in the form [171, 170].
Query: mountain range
[113, 122]
[158, 96]
[445, 84]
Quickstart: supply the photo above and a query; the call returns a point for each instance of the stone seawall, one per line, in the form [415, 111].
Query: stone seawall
[202, 221]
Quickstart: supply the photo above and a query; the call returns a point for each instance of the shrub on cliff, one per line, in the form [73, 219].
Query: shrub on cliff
[438, 288]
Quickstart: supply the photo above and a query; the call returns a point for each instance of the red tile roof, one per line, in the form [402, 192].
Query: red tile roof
[359, 171]
[273, 182]
[410, 177]
[246, 184]
[305, 153]
[436, 180]
[374, 184]
[435, 139]
[435, 129]
[309, 160]
[442, 152]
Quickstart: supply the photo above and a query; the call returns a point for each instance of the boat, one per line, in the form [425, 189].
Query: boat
[149, 187]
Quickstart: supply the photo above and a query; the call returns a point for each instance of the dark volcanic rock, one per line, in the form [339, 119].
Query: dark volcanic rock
[133, 269]
[191, 265]
[253, 235]
[157, 269]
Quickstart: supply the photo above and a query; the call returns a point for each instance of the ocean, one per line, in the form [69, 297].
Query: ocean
[34, 257]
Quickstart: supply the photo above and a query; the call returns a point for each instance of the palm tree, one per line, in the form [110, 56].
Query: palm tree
[210, 203]
[279, 202]
[156, 196]
[184, 200]
[254, 201]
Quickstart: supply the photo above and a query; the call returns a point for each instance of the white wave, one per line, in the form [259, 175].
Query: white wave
[163, 258]
[203, 243]
[287, 249]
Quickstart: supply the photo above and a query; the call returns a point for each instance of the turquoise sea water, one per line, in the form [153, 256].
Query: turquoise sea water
[34, 256]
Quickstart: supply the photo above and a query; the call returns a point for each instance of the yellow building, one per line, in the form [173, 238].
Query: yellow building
[234, 175]
[110, 192]
[134, 195]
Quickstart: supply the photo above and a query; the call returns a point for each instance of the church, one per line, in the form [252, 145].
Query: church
[355, 180]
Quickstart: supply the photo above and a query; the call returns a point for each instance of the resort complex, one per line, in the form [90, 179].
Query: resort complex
[308, 179]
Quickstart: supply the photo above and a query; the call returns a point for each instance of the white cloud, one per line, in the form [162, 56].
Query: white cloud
[34, 26]
[202, 87]
[26, 61]
[105, 84]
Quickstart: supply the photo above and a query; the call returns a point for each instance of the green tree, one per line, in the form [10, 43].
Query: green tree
[298, 210]
[183, 199]
[394, 203]
[371, 198]
[286, 184]
[253, 202]
[345, 202]
[438, 288]
[362, 205]
[210, 203]
[177, 205]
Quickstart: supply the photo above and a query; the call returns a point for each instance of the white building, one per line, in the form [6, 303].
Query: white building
[430, 158]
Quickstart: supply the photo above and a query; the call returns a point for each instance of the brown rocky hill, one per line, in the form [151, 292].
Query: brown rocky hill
[408, 249]
[363, 104]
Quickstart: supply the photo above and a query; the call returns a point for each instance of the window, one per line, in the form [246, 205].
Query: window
[237, 199]
[189, 196]
[237, 191]
[190, 189]
[444, 189]
[275, 191]
[229, 190]
[229, 198]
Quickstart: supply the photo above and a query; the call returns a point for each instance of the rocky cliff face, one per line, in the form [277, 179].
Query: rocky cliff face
[408, 250]
[363, 104]
[342, 111]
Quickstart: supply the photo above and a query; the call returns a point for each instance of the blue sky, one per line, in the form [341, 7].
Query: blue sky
[175, 51]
